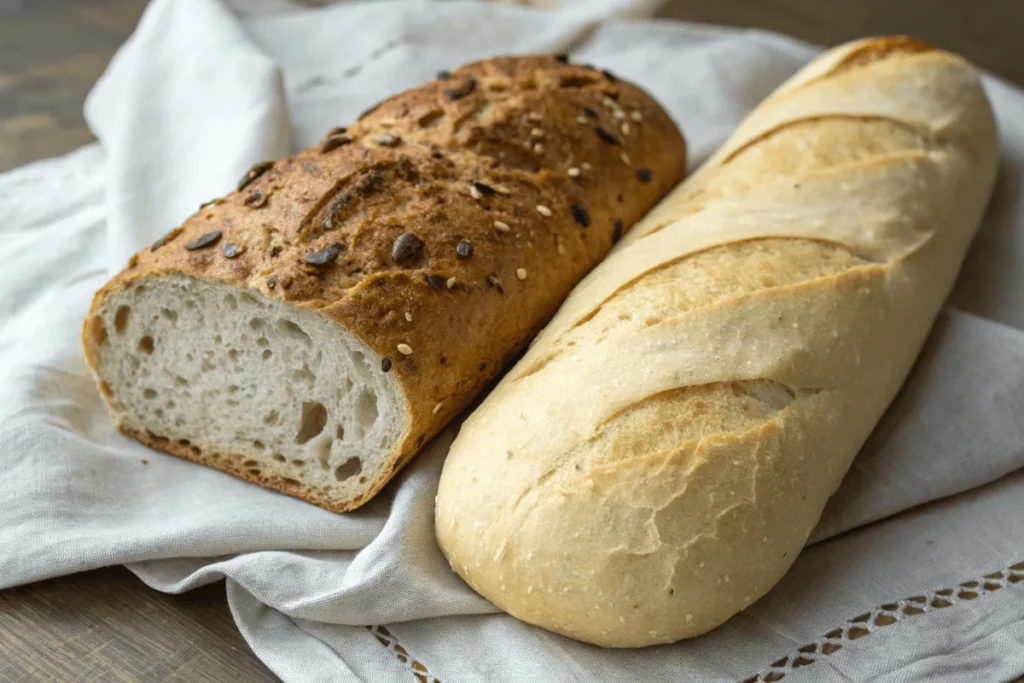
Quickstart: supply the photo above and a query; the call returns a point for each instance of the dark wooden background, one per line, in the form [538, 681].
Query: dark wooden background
[106, 625]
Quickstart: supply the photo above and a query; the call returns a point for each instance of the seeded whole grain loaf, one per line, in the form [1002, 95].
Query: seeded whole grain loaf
[312, 330]
[656, 461]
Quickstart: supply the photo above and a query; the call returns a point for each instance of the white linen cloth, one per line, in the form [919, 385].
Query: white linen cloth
[195, 97]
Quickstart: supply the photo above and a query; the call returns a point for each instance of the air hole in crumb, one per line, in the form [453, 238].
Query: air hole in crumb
[190, 304]
[362, 480]
[323, 453]
[231, 402]
[248, 298]
[231, 302]
[267, 353]
[195, 450]
[156, 437]
[339, 433]
[121, 318]
[304, 374]
[159, 412]
[149, 393]
[290, 482]
[255, 472]
[271, 418]
[258, 324]
[146, 344]
[170, 404]
[262, 341]
[290, 329]
[299, 462]
[350, 468]
[106, 390]
[170, 314]
[98, 330]
[207, 366]
[280, 458]
[232, 388]
[184, 442]
[218, 339]
[314, 418]
[232, 354]
[180, 381]
[250, 463]
[365, 411]
[259, 445]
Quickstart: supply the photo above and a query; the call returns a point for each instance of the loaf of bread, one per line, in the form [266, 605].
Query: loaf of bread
[310, 331]
[657, 460]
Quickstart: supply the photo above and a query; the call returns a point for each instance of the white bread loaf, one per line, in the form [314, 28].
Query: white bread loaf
[657, 460]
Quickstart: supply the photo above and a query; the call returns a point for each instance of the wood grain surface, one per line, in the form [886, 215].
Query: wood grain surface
[106, 625]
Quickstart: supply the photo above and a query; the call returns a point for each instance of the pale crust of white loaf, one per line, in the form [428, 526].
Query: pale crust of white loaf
[657, 460]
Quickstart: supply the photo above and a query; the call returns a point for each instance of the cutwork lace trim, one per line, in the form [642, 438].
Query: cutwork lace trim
[885, 615]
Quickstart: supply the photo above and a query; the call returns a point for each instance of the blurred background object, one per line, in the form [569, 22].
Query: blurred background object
[106, 624]
[52, 51]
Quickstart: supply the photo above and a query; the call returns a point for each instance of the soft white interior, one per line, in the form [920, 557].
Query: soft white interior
[233, 374]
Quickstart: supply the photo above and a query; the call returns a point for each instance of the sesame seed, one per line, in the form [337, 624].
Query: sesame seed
[561, 249]
[451, 282]
[475, 193]
[538, 148]
[387, 140]
[689, 617]
[625, 159]
[533, 116]
[537, 133]
[408, 316]
[521, 273]
[501, 226]
[619, 114]
[582, 119]
[501, 189]
[590, 483]
[529, 589]
[437, 409]
[637, 116]
[404, 349]
[586, 167]
[543, 210]
[573, 171]
[610, 103]
[624, 128]
[508, 453]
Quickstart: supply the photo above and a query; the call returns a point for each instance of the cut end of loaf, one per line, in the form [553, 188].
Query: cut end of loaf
[266, 391]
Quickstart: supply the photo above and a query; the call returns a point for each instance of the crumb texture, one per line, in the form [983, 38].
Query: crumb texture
[218, 373]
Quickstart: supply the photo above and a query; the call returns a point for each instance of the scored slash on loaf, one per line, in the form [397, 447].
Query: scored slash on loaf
[312, 330]
[680, 423]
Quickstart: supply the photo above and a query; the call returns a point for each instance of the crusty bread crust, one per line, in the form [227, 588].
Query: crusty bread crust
[658, 458]
[564, 159]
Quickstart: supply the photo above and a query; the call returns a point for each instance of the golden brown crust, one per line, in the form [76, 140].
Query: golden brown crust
[516, 126]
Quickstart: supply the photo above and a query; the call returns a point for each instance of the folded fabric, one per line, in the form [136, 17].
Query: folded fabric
[195, 97]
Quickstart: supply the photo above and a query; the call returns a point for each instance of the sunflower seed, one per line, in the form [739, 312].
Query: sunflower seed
[255, 172]
[332, 142]
[406, 248]
[606, 136]
[385, 364]
[580, 215]
[332, 213]
[231, 250]
[643, 175]
[325, 256]
[436, 282]
[204, 241]
[464, 249]
[165, 239]
[256, 199]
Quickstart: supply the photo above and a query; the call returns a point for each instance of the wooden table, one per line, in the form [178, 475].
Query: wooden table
[106, 625]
